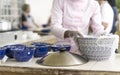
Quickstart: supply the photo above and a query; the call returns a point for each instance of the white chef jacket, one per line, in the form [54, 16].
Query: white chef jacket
[107, 15]
[29, 20]
[75, 15]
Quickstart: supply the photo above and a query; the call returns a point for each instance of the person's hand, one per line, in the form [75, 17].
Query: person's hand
[68, 34]
[105, 25]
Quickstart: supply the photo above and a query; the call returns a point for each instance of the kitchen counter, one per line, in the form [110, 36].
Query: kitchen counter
[46, 38]
[11, 67]
[109, 67]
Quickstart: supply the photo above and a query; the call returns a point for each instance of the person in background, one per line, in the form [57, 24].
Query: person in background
[106, 15]
[118, 24]
[75, 17]
[113, 5]
[27, 20]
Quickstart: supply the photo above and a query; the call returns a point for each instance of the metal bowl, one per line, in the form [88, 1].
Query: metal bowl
[62, 58]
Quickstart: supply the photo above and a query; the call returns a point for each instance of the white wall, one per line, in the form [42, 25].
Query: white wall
[40, 10]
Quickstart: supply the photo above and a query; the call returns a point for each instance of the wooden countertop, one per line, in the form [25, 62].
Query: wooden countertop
[109, 67]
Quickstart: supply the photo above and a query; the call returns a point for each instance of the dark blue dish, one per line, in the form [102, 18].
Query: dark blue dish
[42, 44]
[68, 47]
[57, 47]
[45, 25]
[2, 52]
[9, 51]
[41, 51]
[23, 55]
[45, 31]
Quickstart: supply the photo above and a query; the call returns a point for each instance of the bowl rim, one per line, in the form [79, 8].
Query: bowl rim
[38, 46]
[3, 48]
[57, 45]
[97, 37]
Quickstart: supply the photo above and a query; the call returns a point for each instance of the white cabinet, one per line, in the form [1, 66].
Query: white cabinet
[10, 10]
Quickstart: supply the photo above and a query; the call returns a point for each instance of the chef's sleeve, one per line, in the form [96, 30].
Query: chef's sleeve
[107, 17]
[57, 18]
[96, 25]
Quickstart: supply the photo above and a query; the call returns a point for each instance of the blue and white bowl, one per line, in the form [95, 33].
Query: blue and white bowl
[39, 44]
[2, 52]
[23, 55]
[57, 47]
[9, 51]
[41, 51]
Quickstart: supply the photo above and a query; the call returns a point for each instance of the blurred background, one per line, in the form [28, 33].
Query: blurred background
[118, 4]
[40, 10]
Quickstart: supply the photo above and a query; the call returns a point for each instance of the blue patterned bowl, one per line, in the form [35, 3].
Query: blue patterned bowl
[41, 44]
[2, 52]
[41, 51]
[45, 30]
[9, 51]
[23, 55]
[57, 47]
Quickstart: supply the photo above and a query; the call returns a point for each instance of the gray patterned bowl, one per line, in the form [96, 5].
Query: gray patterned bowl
[98, 48]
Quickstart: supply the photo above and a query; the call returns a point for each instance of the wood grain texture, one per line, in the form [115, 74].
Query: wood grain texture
[38, 71]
